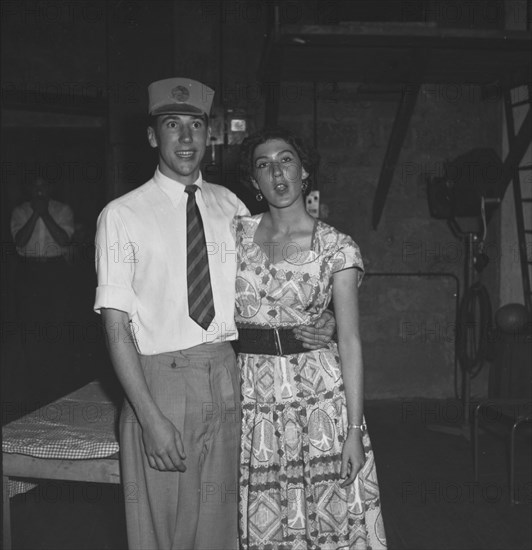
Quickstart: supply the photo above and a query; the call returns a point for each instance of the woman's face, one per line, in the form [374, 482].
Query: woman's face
[278, 172]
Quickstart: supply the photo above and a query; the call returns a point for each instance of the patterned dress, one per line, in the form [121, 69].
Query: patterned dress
[294, 410]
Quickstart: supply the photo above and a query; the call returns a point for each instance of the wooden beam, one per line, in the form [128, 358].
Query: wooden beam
[64, 102]
[94, 470]
[395, 143]
[517, 147]
[272, 93]
[381, 53]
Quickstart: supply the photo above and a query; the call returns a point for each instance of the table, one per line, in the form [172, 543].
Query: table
[73, 439]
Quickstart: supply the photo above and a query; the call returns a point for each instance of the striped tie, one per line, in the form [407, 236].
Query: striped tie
[200, 300]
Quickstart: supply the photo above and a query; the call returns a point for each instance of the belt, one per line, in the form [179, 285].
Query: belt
[264, 341]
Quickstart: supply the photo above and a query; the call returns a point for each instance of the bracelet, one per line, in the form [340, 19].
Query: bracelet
[362, 427]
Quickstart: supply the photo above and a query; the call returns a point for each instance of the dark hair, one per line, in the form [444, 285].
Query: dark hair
[308, 155]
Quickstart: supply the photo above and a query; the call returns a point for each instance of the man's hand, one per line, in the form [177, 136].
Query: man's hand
[40, 205]
[163, 446]
[318, 335]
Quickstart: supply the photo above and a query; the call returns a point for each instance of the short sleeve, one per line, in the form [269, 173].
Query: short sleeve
[65, 219]
[115, 277]
[18, 219]
[242, 209]
[347, 256]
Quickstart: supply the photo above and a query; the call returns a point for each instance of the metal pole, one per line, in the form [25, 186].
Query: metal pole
[469, 273]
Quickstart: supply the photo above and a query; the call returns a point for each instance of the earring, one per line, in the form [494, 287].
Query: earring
[259, 196]
[304, 186]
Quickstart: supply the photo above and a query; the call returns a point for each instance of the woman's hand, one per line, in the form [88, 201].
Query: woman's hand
[352, 457]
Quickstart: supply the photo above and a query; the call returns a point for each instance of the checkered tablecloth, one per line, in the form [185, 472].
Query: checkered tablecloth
[81, 425]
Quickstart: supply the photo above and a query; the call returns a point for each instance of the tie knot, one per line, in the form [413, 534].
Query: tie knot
[191, 189]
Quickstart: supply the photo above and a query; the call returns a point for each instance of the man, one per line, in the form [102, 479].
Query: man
[179, 429]
[42, 228]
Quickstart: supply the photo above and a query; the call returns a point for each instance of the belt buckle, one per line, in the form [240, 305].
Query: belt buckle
[277, 338]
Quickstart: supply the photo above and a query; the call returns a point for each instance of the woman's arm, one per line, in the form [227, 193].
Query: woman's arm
[345, 296]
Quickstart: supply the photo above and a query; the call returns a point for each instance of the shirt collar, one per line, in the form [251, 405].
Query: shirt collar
[173, 188]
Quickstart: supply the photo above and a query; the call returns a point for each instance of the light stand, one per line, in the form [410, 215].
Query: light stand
[471, 240]
[475, 259]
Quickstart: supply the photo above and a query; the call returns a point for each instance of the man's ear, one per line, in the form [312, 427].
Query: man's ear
[152, 137]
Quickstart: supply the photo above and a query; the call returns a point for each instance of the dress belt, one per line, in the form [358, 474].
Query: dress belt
[269, 341]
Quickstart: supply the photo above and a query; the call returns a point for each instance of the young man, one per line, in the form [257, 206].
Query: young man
[169, 318]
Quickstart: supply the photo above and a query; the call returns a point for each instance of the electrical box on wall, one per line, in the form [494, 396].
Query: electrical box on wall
[229, 127]
[238, 126]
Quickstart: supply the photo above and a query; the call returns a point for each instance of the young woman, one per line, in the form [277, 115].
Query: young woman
[307, 477]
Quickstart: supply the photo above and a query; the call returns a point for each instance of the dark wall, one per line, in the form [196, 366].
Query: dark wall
[408, 322]
[53, 71]
[140, 50]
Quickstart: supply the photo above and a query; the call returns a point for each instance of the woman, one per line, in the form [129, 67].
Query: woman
[307, 476]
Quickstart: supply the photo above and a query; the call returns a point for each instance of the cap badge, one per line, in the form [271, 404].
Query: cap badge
[180, 93]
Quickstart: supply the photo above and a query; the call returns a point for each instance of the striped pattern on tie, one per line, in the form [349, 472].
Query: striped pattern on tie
[200, 300]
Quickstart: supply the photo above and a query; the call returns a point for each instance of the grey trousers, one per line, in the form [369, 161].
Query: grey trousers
[198, 390]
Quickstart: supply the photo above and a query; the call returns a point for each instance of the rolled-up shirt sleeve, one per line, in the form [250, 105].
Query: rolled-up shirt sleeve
[242, 209]
[18, 220]
[65, 219]
[115, 276]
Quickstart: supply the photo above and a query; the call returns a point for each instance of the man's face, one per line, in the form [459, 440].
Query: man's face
[182, 140]
[40, 189]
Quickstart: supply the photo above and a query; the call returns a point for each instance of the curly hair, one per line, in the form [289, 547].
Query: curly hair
[307, 155]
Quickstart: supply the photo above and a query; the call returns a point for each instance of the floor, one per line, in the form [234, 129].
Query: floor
[429, 497]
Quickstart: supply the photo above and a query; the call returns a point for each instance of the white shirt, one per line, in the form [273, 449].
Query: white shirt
[41, 244]
[141, 262]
